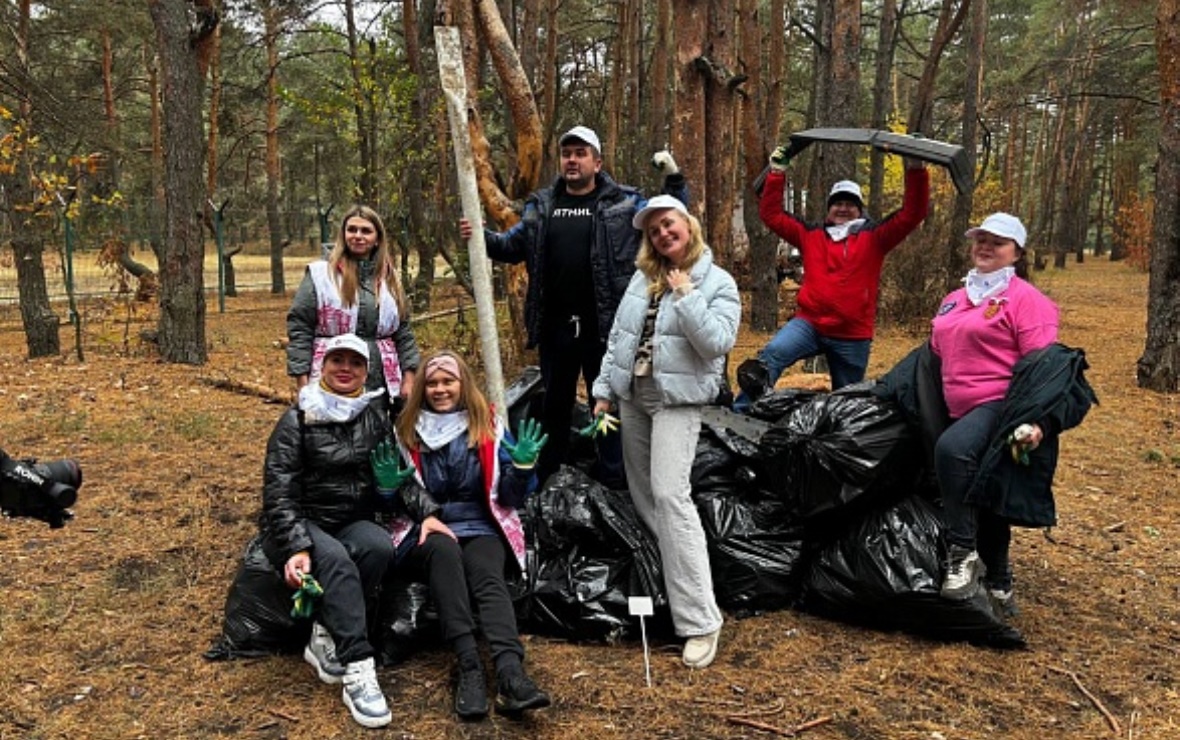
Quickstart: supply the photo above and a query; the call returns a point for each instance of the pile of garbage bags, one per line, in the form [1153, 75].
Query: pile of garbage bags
[824, 506]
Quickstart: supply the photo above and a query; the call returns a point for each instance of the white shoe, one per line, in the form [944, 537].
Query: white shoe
[964, 569]
[362, 694]
[320, 653]
[700, 651]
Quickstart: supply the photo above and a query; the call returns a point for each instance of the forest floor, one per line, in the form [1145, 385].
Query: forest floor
[103, 622]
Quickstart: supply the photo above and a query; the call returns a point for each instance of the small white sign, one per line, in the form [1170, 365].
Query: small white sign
[640, 606]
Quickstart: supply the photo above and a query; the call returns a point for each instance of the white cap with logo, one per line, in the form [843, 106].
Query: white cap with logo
[347, 342]
[582, 134]
[846, 190]
[658, 203]
[1003, 225]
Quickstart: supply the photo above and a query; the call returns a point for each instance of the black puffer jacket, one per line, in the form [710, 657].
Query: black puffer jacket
[612, 255]
[1048, 386]
[320, 473]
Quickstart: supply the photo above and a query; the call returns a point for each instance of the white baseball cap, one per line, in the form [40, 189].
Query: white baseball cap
[849, 191]
[658, 203]
[347, 342]
[1003, 225]
[582, 134]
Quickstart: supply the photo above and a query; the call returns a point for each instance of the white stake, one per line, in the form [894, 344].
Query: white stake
[454, 84]
[641, 606]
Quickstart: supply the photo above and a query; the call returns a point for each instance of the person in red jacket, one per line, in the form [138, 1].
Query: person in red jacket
[842, 258]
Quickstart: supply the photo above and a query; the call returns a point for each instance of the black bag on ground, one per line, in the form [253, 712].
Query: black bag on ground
[591, 553]
[885, 570]
[258, 617]
[407, 621]
[835, 450]
[753, 552]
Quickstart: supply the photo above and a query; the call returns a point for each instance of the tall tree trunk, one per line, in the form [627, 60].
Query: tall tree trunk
[960, 220]
[1125, 186]
[40, 322]
[181, 254]
[272, 28]
[422, 239]
[720, 84]
[688, 111]
[949, 21]
[360, 111]
[760, 125]
[1159, 367]
[882, 73]
[658, 133]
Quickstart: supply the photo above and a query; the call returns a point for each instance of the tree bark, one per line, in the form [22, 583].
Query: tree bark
[271, 31]
[760, 124]
[689, 109]
[882, 72]
[720, 139]
[181, 253]
[960, 220]
[1159, 367]
[40, 322]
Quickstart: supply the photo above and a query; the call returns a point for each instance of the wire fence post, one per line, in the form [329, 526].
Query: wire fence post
[219, 236]
[75, 319]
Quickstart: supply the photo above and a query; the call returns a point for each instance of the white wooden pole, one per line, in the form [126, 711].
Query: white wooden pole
[454, 84]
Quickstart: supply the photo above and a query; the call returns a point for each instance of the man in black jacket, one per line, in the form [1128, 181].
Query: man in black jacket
[578, 245]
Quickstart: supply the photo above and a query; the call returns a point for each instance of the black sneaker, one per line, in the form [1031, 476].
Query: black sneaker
[1005, 601]
[471, 691]
[517, 693]
[964, 570]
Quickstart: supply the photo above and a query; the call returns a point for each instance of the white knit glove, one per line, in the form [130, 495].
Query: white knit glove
[662, 161]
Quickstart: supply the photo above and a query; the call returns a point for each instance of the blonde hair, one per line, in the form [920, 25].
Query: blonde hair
[342, 264]
[480, 422]
[655, 266]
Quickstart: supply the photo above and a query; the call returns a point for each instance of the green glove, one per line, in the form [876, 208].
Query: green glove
[303, 600]
[387, 467]
[601, 425]
[529, 441]
[779, 159]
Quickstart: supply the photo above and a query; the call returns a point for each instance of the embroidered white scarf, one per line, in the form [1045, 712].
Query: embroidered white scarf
[320, 406]
[980, 287]
[437, 430]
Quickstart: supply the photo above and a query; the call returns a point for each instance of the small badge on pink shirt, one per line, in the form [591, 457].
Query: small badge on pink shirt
[993, 307]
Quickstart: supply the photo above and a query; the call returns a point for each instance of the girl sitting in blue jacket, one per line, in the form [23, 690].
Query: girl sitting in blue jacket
[458, 536]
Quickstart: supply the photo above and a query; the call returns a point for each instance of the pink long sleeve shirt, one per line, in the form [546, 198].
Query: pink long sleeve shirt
[979, 345]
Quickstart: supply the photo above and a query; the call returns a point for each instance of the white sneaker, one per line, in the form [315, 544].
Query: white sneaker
[320, 653]
[700, 651]
[362, 694]
[963, 571]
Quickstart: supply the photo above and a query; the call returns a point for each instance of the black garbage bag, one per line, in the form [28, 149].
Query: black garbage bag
[778, 403]
[754, 552]
[835, 450]
[525, 396]
[885, 570]
[407, 621]
[258, 617]
[591, 553]
[716, 462]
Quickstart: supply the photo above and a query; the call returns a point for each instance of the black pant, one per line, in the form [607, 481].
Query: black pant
[460, 573]
[568, 350]
[349, 564]
[956, 459]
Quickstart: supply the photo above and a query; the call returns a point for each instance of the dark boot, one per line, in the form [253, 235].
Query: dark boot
[471, 690]
[517, 692]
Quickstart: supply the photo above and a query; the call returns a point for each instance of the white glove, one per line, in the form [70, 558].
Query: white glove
[662, 161]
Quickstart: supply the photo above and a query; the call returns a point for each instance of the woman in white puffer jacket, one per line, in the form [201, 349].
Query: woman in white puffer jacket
[665, 358]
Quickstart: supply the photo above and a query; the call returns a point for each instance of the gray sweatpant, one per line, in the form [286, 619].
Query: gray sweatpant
[658, 476]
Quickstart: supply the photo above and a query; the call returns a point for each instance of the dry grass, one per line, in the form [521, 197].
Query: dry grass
[103, 622]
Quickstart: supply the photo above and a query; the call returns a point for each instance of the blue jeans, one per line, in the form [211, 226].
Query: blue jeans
[798, 340]
[956, 461]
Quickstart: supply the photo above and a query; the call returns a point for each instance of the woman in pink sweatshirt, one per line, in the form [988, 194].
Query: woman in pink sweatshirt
[979, 334]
